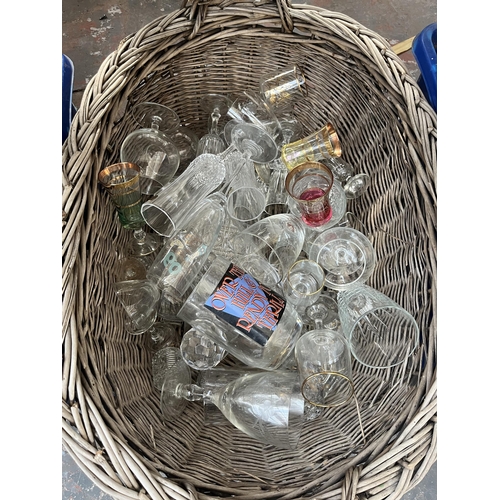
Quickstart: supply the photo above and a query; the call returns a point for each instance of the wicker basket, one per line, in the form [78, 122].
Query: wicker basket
[111, 422]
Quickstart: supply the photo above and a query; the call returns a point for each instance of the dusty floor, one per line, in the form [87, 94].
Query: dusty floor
[92, 30]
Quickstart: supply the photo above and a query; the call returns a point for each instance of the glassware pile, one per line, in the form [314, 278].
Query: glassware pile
[242, 236]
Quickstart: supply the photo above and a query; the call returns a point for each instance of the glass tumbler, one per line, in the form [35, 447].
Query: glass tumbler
[381, 333]
[309, 186]
[282, 87]
[319, 145]
[122, 183]
[166, 211]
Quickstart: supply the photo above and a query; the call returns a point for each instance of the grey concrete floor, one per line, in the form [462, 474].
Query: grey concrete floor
[91, 30]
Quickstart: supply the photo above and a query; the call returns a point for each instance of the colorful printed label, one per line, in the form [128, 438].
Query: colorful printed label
[252, 308]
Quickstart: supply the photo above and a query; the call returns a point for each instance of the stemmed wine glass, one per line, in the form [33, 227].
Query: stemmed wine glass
[354, 184]
[150, 148]
[122, 182]
[243, 401]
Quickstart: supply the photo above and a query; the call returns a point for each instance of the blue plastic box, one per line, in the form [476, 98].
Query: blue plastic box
[424, 49]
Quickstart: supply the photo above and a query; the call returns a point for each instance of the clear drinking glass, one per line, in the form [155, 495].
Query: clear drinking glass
[304, 283]
[183, 255]
[346, 255]
[309, 185]
[249, 320]
[319, 145]
[168, 209]
[139, 299]
[277, 196]
[324, 364]
[268, 406]
[250, 107]
[338, 204]
[281, 88]
[268, 248]
[150, 148]
[122, 182]
[380, 332]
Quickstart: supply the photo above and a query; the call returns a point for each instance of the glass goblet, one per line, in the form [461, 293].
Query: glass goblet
[323, 313]
[346, 255]
[139, 299]
[354, 185]
[268, 248]
[122, 182]
[151, 149]
[245, 402]
[304, 283]
[324, 364]
[250, 107]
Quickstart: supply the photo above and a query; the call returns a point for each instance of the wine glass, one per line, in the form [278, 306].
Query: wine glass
[267, 406]
[324, 364]
[150, 148]
[268, 248]
[304, 283]
[139, 299]
[250, 107]
[122, 182]
[354, 185]
[323, 313]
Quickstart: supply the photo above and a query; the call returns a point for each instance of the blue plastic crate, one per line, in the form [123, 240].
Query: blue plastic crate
[424, 49]
[68, 108]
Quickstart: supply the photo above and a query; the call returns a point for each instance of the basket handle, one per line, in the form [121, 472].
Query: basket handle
[198, 11]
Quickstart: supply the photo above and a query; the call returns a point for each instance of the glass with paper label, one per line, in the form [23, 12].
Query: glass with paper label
[248, 319]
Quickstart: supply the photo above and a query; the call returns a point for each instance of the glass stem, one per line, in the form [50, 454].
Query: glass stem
[140, 235]
[193, 392]
[214, 121]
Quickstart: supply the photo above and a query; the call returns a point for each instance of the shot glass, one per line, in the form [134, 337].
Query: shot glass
[309, 185]
[122, 183]
[381, 333]
[319, 145]
[304, 283]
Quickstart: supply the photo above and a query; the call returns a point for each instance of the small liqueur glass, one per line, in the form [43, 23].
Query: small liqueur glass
[309, 186]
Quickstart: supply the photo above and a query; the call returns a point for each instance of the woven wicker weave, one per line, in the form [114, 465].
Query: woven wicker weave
[111, 421]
